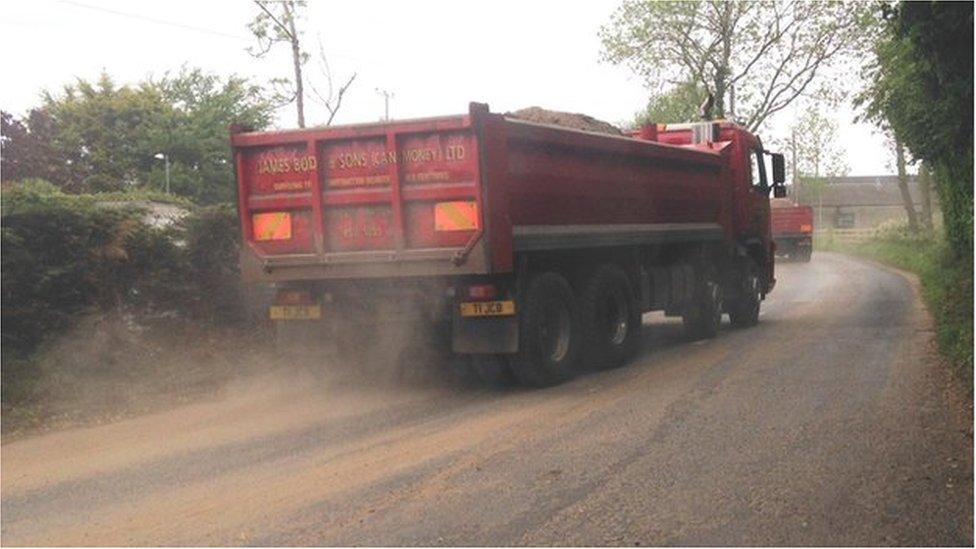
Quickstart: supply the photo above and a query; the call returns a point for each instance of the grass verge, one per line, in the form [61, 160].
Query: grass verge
[947, 287]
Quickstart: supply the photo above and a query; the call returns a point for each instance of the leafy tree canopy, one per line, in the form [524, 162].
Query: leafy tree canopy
[921, 89]
[755, 57]
[679, 104]
[101, 136]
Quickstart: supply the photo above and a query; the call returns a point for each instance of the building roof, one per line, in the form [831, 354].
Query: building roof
[869, 190]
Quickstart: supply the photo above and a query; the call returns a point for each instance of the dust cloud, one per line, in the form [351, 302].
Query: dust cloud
[111, 367]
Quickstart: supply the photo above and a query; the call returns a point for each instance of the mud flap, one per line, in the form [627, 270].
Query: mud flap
[483, 335]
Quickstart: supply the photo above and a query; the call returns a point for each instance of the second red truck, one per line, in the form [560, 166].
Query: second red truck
[530, 249]
[792, 229]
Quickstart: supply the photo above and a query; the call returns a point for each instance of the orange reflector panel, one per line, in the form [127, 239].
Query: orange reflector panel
[455, 216]
[271, 226]
[806, 228]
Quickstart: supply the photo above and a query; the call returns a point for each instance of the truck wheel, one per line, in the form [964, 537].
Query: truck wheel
[610, 317]
[806, 255]
[549, 330]
[744, 310]
[704, 316]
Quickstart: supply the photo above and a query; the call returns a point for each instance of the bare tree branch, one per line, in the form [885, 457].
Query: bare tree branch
[332, 101]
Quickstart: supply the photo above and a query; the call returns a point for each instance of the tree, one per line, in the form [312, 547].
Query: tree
[814, 156]
[99, 136]
[195, 134]
[105, 132]
[925, 189]
[26, 148]
[906, 196]
[812, 146]
[754, 57]
[679, 104]
[332, 98]
[276, 24]
[921, 87]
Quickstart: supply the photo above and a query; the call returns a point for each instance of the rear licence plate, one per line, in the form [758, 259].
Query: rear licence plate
[295, 312]
[488, 308]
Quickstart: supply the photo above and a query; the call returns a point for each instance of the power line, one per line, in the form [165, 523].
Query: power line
[154, 20]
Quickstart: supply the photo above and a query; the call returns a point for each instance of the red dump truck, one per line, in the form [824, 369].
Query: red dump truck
[531, 250]
[792, 229]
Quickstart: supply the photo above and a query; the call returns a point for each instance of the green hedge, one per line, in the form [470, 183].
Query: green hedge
[64, 256]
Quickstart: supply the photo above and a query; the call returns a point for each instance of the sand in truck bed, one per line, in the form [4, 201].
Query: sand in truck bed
[567, 119]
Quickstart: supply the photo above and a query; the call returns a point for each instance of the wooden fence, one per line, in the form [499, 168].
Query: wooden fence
[844, 235]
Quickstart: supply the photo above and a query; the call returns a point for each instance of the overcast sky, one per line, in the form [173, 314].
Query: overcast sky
[434, 56]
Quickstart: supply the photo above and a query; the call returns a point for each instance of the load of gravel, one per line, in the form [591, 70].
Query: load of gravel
[567, 119]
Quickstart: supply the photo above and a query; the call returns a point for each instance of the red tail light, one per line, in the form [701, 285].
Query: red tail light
[482, 291]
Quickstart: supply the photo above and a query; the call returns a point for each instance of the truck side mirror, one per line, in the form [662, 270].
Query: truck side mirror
[779, 191]
[779, 170]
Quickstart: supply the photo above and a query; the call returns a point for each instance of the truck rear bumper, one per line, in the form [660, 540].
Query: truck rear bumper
[370, 312]
[787, 243]
[361, 265]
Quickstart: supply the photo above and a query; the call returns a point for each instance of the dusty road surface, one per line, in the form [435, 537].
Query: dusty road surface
[829, 423]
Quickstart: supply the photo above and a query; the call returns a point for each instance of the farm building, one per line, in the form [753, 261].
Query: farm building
[862, 202]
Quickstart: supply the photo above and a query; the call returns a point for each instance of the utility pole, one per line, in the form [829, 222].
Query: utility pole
[387, 95]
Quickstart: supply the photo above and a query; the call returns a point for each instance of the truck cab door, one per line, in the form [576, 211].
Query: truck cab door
[758, 230]
[752, 195]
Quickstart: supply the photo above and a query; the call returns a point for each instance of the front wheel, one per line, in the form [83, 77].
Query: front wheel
[704, 315]
[744, 310]
[549, 332]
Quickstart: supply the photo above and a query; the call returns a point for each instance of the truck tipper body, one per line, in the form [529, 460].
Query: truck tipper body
[529, 249]
[792, 229]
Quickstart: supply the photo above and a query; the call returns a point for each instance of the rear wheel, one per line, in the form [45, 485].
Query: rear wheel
[744, 310]
[704, 315]
[610, 318]
[549, 332]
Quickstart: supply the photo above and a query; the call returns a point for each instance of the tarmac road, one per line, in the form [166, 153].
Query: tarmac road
[831, 423]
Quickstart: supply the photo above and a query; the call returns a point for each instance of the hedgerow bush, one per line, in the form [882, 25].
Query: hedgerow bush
[899, 230]
[66, 256]
[212, 242]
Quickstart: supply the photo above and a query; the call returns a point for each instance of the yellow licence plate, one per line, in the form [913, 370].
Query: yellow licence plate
[296, 312]
[488, 308]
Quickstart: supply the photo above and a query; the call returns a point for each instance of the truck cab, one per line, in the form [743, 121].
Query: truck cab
[755, 173]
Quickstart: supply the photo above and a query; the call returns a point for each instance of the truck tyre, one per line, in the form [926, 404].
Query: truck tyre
[704, 315]
[744, 309]
[610, 317]
[806, 255]
[549, 332]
